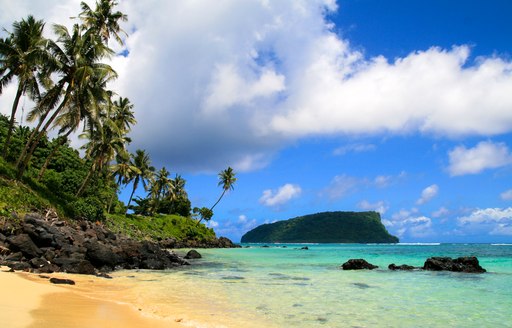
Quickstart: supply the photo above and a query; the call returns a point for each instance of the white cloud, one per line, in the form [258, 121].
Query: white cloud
[379, 206]
[427, 194]
[382, 181]
[443, 211]
[212, 224]
[220, 81]
[406, 223]
[485, 155]
[506, 195]
[281, 196]
[494, 221]
[342, 185]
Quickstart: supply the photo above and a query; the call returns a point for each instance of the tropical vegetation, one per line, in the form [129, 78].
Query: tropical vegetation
[326, 227]
[67, 79]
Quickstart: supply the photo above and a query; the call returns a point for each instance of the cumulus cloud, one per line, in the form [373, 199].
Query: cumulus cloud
[379, 206]
[427, 194]
[494, 221]
[485, 155]
[215, 83]
[407, 223]
[506, 195]
[280, 196]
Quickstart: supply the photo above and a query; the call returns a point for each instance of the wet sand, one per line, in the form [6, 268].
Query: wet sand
[27, 300]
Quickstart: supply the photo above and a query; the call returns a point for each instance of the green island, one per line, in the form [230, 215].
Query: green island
[326, 227]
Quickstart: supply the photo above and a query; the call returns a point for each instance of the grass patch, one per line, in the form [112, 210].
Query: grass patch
[159, 227]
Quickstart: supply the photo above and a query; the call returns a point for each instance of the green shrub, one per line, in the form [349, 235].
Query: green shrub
[90, 208]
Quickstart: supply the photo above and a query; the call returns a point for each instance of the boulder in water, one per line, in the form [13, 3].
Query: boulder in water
[358, 264]
[193, 254]
[467, 264]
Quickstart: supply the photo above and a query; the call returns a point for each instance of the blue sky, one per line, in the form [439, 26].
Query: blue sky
[403, 107]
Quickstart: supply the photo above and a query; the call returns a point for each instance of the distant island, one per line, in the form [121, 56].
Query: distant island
[326, 227]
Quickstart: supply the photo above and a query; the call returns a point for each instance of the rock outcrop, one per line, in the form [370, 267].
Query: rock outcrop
[467, 264]
[45, 246]
[403, 267]
[192, 255]
[358, 264]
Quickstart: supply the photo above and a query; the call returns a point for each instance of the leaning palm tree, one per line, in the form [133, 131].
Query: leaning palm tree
[82, 107]
[144, 172]
[103, 19]
[227, 180]
[76, 57]
[21, 55]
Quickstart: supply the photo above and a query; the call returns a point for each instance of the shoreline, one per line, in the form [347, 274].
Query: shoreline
[31, 301]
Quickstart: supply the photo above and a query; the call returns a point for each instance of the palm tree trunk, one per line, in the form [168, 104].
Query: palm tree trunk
[30, 139]
[11, 121]
[28, 155]
[218, 200]
[54, 151]
[86, 180]
[110, 202]
[130, 200]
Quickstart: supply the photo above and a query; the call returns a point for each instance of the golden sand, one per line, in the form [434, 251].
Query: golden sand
[27, 300]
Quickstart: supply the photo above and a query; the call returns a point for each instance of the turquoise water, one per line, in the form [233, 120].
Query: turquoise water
[288, 287]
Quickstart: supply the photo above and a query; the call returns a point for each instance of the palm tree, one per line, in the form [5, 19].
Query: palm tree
[144, 172]
[123, 114]
[124, 171]
[103, 20]
[227, 180]
[160, 185]
[82, 80]
[21, 55]
[84, 106]
[105, 142]
[178, 187]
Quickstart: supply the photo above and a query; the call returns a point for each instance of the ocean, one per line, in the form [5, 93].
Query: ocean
[286, 286]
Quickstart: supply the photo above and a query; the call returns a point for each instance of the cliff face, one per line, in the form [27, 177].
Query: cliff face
[326, 227]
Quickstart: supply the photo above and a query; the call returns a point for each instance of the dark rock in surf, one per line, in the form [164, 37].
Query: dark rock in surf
[468, 264]
[403, 267]
[193, 254]
[358, 264]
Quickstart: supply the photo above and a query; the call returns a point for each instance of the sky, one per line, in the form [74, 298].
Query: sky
[400, 107]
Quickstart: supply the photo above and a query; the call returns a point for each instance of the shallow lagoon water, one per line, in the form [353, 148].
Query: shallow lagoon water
[284, 286]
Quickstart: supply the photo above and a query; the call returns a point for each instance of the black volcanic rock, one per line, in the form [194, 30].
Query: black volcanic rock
[403, 267]
[467, 264]
[327, 227]
[25, 245]
[358, 264]
[193, 254]
[45, 246]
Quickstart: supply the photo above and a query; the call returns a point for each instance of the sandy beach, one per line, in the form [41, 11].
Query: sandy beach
[31, 301]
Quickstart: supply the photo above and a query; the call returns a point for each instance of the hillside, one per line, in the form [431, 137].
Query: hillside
[326, 227]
